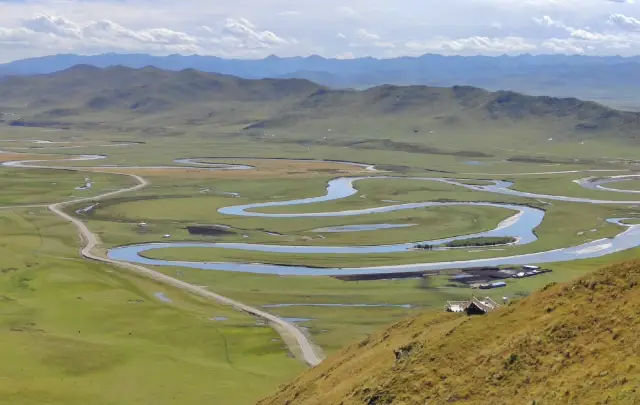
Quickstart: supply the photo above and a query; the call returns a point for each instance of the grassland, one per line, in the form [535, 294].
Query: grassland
[177, 198]
[430, 223]
[333, 328]
[564, 185]
[41, 186]
[472, 242]
[564, 226]
[626, 185]
[179, 355]
[75, 332]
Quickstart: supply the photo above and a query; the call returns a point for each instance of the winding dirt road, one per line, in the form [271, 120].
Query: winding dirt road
[296, 340]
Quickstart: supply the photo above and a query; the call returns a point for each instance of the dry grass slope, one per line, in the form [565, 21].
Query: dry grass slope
[568, 344]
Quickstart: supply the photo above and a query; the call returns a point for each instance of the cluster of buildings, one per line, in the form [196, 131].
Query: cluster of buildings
[492, 277]
[483, 278]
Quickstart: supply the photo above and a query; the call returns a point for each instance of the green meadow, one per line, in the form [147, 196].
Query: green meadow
[77, 332]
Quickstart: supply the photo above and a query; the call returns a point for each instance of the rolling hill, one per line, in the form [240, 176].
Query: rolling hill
[384, 117]
[149, 90]
[568, 344]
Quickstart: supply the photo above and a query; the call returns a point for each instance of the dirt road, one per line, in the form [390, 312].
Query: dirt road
[296, 340]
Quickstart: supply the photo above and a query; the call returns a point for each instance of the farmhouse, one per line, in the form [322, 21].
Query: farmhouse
[474, 306]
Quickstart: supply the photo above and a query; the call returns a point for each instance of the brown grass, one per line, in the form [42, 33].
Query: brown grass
[569, 344]
[263, 169]
[10, 157]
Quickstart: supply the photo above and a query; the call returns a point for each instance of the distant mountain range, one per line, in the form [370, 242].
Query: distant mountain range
[609, 80]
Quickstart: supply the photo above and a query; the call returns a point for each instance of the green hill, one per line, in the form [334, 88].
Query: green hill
[457, 106]
[85, 94]
[568, 344]
[385, 117]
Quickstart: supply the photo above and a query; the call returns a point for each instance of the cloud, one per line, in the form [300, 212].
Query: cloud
[565, 46]
[230, 37]
[624, 22]
[345, 55]
[475, 45]
[243, 30]
[348, 11]
[53, 25]
[549, 22]
[289, 13]
[619, 34]
[257, 28]
[365, 35]
[585, 34]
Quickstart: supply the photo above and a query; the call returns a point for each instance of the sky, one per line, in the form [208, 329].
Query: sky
[330, 28]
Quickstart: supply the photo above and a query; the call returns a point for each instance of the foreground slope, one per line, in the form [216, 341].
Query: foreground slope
[574, 344]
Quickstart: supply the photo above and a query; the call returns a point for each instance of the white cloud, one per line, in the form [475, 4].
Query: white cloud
[624, 22]
[289, 13]
[257, 28]
[243, 30]
[587, 39]
[348, 11]
[365, 35]
[474, 45]
[227, 38]
[549, 22]
[53, 25]
[345, 55]
[565, 46]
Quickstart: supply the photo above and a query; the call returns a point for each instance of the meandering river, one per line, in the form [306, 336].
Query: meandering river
[521, 226]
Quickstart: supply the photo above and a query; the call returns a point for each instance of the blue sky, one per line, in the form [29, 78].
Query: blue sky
[332, 28]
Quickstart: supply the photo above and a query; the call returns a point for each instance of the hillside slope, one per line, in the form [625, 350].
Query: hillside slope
[152, 100]
[119, 92]
[569, 344]
[455, 105]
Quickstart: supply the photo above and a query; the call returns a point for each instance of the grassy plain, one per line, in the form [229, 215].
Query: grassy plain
[563, 226]
[41, 186]
[189, 350]
[175, 353]
[77, 332]
[564, 185]
[626, 185]
[333, 327]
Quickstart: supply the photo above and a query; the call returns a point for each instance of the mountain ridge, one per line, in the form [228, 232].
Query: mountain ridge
[150, 97]
[605, 79]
